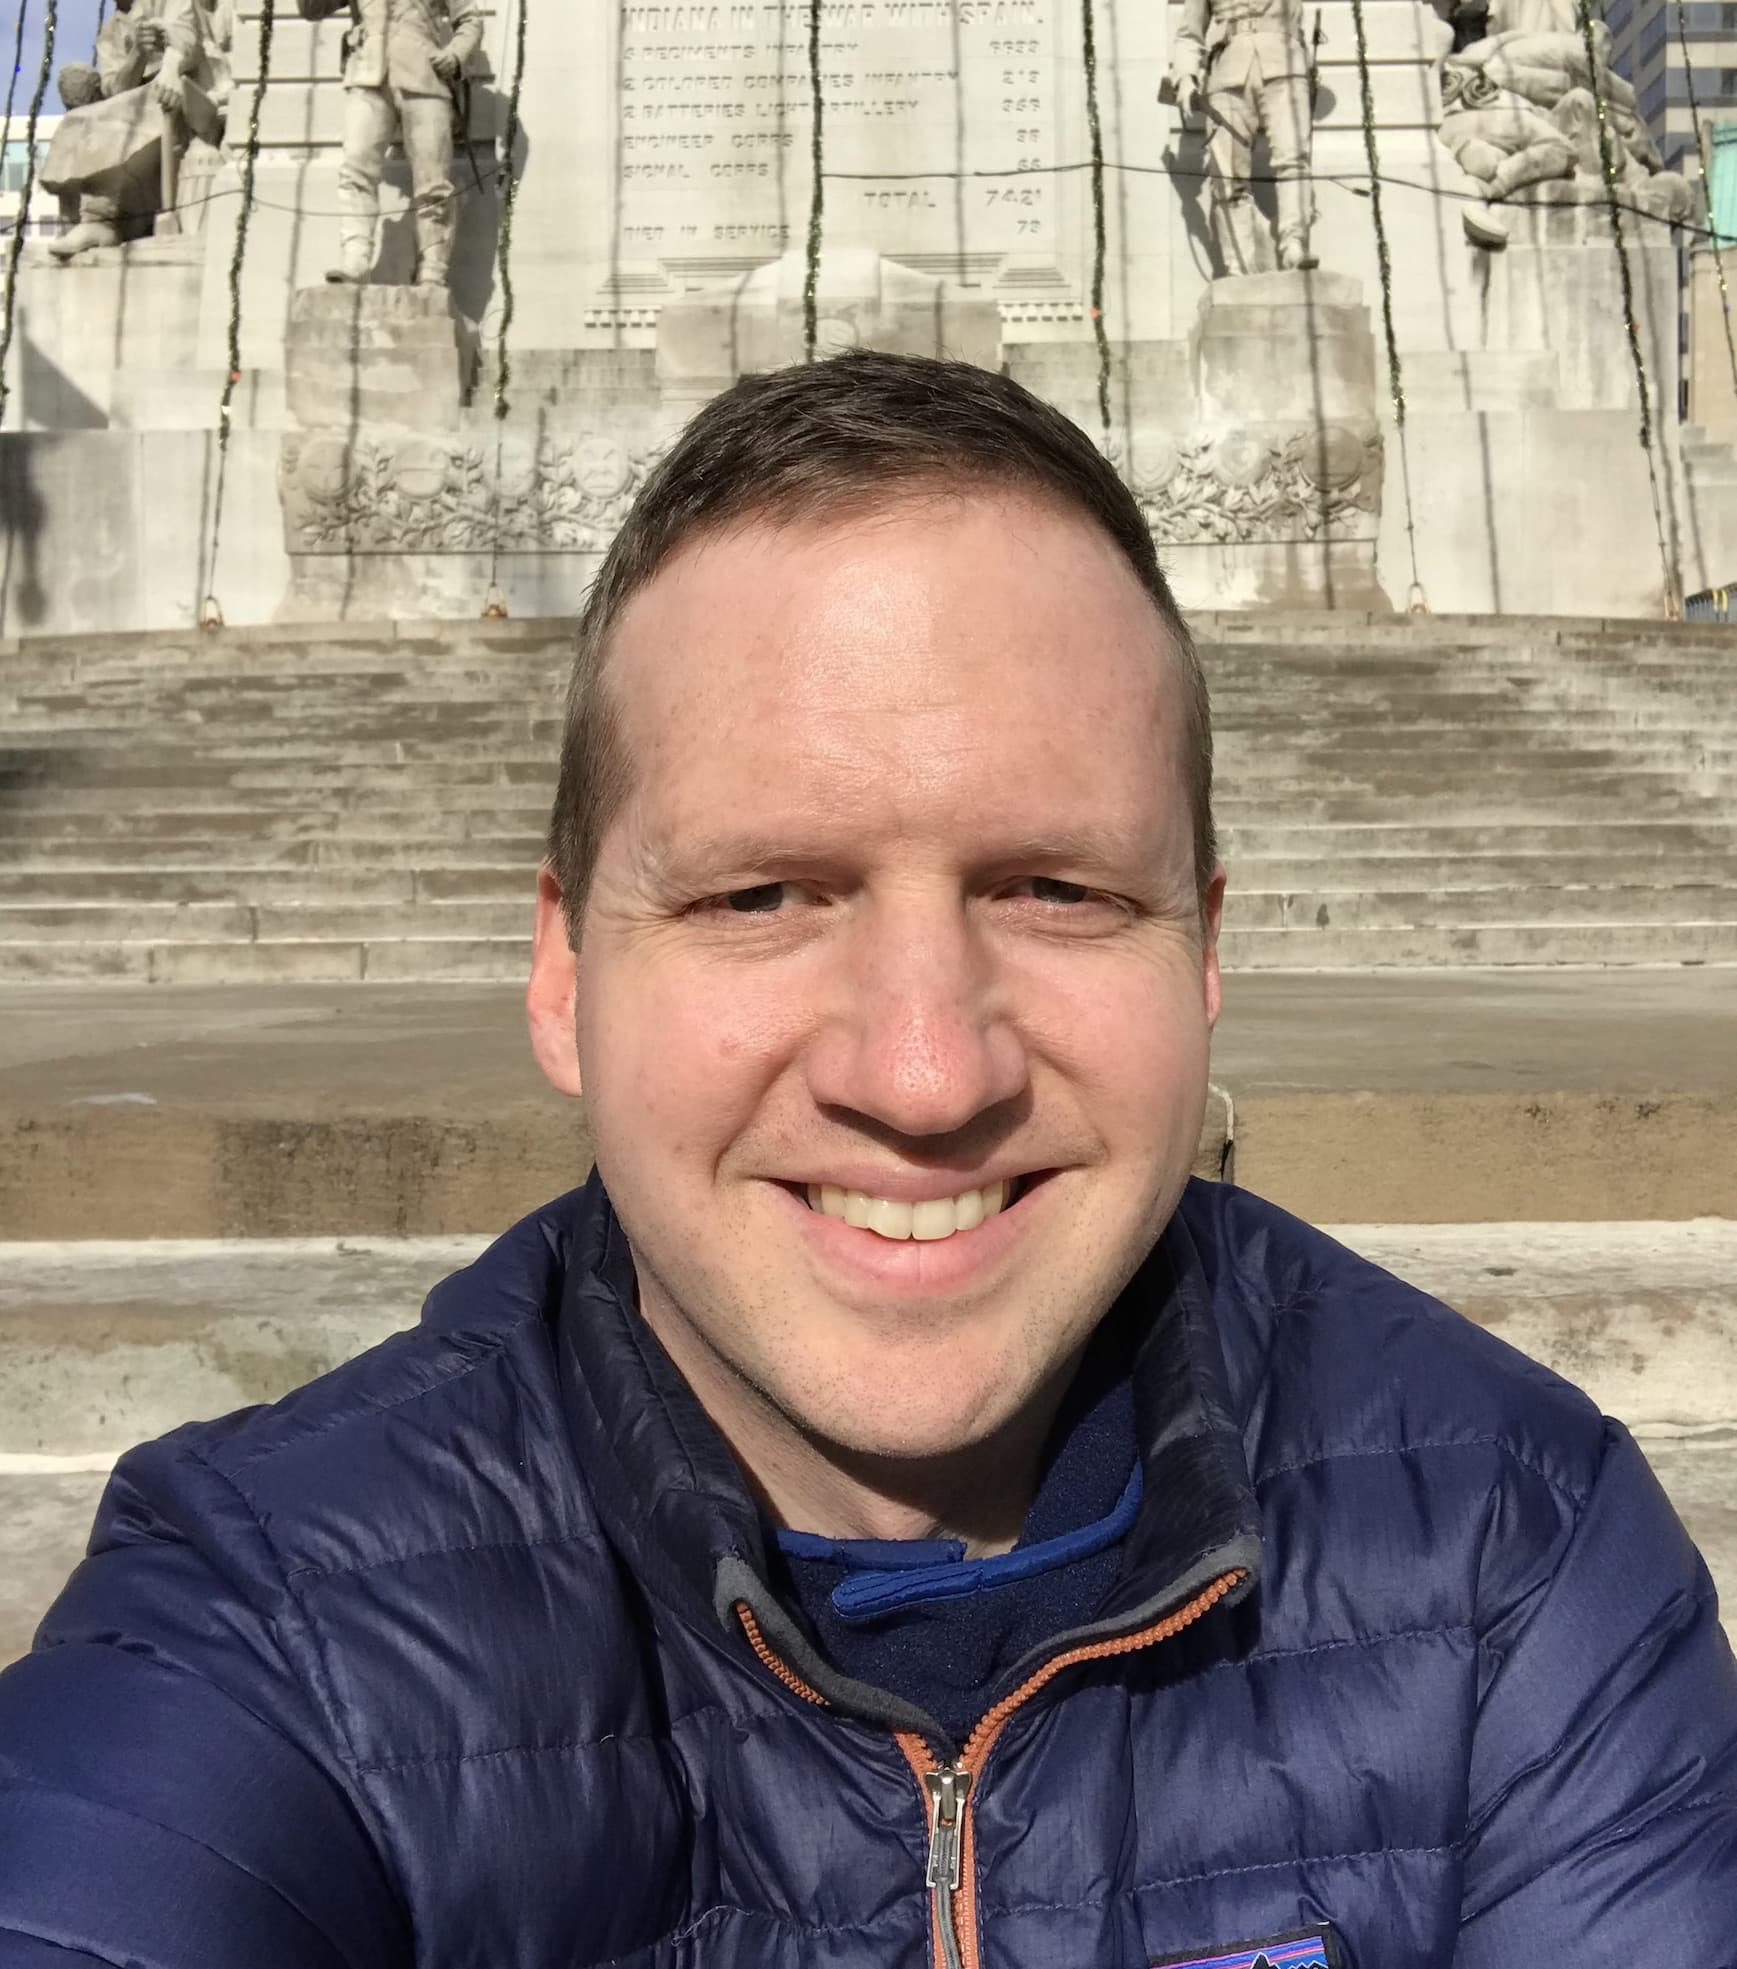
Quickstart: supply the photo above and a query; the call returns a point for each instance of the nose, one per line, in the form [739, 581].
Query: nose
[921, 1038]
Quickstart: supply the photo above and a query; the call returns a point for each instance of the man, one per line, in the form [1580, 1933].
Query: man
[1257, 81]
[890, 1515]
[161, 71]
[403, 60]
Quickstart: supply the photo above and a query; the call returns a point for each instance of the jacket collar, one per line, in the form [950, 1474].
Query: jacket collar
[673, 1500]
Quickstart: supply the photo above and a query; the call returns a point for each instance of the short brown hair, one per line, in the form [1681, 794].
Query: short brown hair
[803, 443]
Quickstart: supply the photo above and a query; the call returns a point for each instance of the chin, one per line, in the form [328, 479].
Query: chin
[921, 1421]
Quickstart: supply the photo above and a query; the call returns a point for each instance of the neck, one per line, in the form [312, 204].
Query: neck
[979, 1494]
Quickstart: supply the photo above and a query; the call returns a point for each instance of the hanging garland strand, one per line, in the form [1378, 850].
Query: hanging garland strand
[816, 197]
[494, 602]
[1100, 231]
[1631, 320]
[15, 246]
[1384, 264]
[509, 173]
[210, 614]
[1707, 187]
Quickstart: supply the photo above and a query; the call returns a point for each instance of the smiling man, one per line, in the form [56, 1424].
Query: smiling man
[890, 1515]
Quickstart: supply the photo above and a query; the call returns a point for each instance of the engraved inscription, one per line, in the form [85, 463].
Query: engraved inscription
[714, 136]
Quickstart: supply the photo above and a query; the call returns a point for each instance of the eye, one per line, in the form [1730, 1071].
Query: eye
[761, 900]
[1046, 888]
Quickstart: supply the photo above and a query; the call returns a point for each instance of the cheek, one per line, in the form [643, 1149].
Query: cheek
[680, 1057]
[1133, 1037]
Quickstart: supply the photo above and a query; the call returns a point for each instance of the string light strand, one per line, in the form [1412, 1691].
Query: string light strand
[1384, 266]
[1631, 321]
[507, 171]
[15, 245]
[817, 195]
[210, 615]
[1707, 188]
[1100, 230]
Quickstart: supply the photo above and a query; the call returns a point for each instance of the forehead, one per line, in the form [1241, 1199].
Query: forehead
[944, 660]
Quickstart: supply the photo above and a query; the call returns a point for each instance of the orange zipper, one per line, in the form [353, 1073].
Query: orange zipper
[948, 1787]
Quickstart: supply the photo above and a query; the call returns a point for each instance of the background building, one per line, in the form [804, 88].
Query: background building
[1648, 51]
[14, 155]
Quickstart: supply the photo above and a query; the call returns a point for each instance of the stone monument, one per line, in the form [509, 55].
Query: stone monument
[381, 459]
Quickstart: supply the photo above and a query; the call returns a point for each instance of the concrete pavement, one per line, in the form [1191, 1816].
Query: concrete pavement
[416, 1110]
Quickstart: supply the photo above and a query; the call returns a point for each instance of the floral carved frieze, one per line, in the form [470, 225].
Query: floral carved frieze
[428, 495]
[1258, 484]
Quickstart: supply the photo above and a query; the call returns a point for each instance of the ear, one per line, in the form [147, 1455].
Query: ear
[549, 1008]
[1212, 917]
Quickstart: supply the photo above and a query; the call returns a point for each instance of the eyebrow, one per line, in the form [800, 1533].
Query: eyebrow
[716, 855]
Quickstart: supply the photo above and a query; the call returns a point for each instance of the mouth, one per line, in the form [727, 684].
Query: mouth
[931, 1220]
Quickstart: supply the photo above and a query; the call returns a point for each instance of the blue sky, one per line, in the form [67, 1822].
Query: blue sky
[76, 32]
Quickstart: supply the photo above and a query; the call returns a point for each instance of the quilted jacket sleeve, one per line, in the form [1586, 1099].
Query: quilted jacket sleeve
[1604, 1775]
[166, 1799]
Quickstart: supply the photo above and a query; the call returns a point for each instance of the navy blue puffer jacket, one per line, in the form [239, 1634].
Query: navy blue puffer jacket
[463, 1657]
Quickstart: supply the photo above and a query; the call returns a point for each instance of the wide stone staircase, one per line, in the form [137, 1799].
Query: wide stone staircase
[312, 805]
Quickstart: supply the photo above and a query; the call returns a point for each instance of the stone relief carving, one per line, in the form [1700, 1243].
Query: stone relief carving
[1259, 485]
[418, 495]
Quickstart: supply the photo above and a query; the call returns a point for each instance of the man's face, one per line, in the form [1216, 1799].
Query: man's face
[902, 904]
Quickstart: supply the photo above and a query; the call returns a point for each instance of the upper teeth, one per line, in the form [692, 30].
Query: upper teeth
[938, 1218]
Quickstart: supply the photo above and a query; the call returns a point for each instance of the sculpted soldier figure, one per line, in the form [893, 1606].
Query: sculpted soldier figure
[403, 60]
[161, 73]
[1249, 61]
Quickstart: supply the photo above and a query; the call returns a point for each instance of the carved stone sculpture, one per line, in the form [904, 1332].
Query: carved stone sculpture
[404, 64]
[1245, 63]
[161, 76]
[1520, 109]
[1260, 484]
[428, 495]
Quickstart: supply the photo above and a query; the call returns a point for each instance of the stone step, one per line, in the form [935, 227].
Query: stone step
[106, 1344]
[212, 849]
[374, 920]
[1458, 836]
[1456, 909]
[419, 730]
[1640, 866]
[52, 886]
[463, 811]
[430, 958]
[1445, 676]
[1638, 873]
[469, 759]
[1494, 944]
[214, 842]
[373, 726]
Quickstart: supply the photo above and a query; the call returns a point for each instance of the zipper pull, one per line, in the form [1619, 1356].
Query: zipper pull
[948, 1788]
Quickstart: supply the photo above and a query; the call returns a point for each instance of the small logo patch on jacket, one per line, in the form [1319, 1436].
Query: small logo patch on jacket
[1309, 1948]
